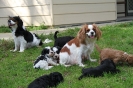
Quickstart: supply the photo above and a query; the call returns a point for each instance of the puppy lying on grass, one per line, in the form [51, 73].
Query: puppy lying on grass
[106, 65]
[47, 81]
[115, 55]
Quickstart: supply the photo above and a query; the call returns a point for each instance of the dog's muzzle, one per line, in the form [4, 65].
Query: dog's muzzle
[10, 24]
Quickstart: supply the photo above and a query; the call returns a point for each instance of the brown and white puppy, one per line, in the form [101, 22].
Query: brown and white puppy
[81, 46]
[116, 55]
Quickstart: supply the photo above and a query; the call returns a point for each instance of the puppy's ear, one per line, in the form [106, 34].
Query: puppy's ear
[59, 49]
[45, 51]
[56, 77]
[59, 77]
[98, 31]
[82, 33]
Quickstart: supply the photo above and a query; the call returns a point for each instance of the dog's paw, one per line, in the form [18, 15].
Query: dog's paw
[81, 65]
[67, 65]
[49, 67]
[93, 60]
[57, 64]
[47, 41]
[13, 50]
[21, 51]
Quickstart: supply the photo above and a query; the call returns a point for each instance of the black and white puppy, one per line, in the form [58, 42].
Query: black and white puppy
[48, 57]
[23, 39]
[56, 50]
[42, 63]
[61, 41]
[47, 81]
[106, 65]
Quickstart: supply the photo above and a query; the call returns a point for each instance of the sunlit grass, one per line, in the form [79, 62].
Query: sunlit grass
[16, 69]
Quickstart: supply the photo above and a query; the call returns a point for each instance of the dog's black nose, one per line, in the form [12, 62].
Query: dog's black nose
[9, 21]
[92, 33]
[52, 52]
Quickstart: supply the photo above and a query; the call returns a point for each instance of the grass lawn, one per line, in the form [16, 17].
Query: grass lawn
[5, 29]
[16, 69]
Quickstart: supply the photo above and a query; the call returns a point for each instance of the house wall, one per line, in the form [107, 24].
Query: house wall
[31, 11]
[121, 8]
[58, 12]
[83, 11]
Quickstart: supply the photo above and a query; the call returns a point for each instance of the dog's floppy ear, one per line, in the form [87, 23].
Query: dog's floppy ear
[20, 22]
[82, 33]
[98, 31]
[45, 51]
[55, 76]
[59, 48]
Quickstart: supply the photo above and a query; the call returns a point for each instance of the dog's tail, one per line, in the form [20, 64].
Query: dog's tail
[98, 48]
[55, 34]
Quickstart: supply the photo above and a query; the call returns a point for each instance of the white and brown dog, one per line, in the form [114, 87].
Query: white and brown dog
[23, 39]
[80, 47]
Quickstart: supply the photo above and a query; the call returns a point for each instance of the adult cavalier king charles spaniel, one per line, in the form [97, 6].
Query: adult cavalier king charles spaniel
[23, 39]
[80, 47]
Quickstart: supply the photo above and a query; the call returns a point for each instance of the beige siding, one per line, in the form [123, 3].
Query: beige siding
[120, 8]
[83, 8]
[83, 18]
[25, 11]
[22, 3]
[57, 12]
[28, 21]
[120, 0]
[31, 11]
[37, 20]
[81, 11]
[80, 1]
[120, 15]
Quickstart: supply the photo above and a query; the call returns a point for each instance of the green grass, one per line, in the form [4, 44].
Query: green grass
[32, 27]
[16, 69]
[5, 29]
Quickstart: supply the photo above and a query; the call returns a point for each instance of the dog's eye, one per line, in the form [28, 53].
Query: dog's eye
[87, 30]
[94, 29]
[14, 20]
